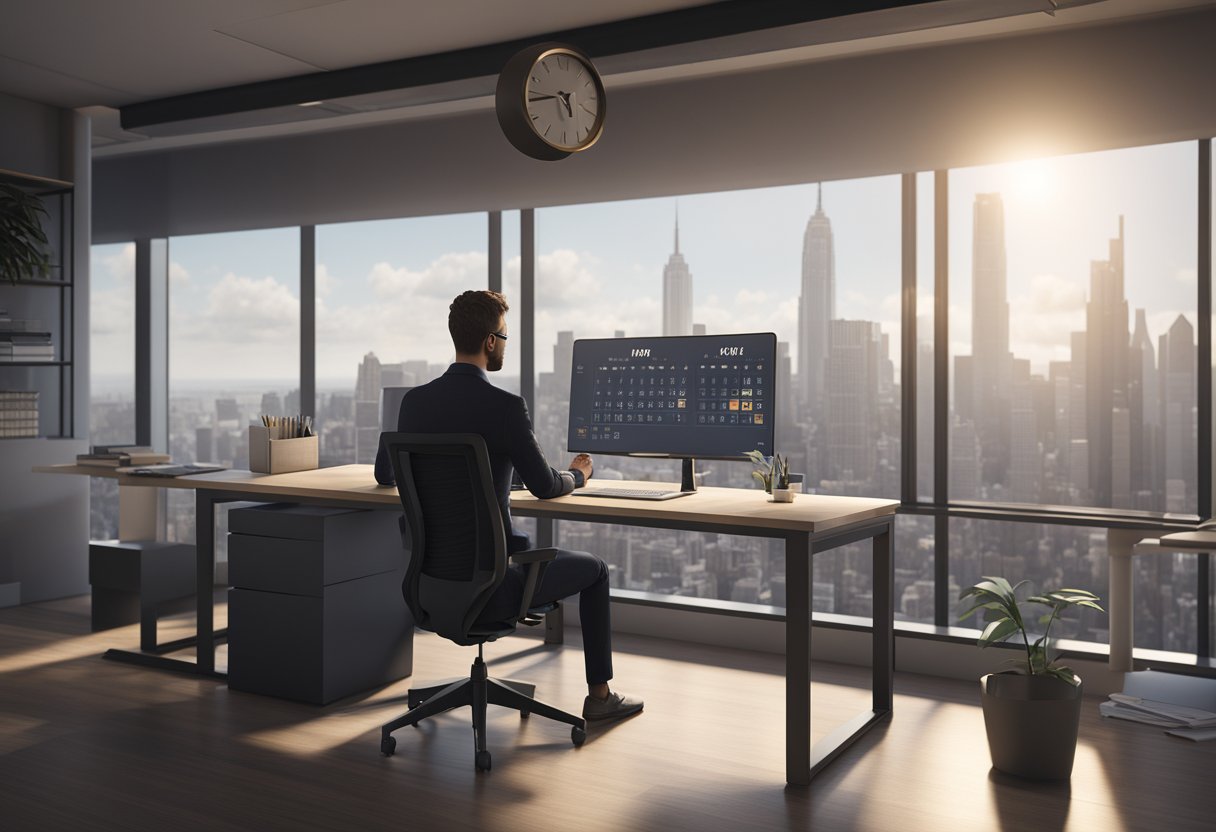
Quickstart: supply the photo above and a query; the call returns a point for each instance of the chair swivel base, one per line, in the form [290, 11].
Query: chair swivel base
[477, 691]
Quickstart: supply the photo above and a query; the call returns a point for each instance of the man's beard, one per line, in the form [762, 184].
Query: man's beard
[494, 361]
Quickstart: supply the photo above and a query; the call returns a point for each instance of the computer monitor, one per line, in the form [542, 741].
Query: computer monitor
[698, 396]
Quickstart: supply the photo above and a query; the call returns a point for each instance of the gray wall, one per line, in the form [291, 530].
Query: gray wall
[44, 519]
[953, 105]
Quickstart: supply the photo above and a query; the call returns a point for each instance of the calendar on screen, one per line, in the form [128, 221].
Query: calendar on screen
[708, 396]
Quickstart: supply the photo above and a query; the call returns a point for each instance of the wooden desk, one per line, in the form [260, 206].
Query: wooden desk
[810, 525]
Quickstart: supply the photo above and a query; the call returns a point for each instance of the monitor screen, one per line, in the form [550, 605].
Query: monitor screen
[703, 396]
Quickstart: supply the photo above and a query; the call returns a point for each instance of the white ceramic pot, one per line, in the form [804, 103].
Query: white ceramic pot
[783, 495]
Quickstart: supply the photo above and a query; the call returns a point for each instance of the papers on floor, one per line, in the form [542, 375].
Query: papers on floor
[1184, 704]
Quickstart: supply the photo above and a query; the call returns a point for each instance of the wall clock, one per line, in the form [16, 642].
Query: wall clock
[550, 101]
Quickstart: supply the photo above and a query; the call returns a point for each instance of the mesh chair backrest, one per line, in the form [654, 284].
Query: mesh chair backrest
[458, 542]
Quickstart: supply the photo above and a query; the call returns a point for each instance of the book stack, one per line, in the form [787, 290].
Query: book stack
[24, 340]
[18, 414]
[121, 456]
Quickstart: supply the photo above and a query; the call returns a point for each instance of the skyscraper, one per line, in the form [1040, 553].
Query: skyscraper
[991, 361]
[677, 292]
[1145, 415]
[816, 306]
[1178, 399]
[367, 409]
[853, 366]
[1106, 374]
[367, 385]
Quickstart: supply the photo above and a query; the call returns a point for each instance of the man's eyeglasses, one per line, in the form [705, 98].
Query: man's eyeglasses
[501, 335]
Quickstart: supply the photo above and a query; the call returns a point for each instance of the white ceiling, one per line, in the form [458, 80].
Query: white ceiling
[103, 55]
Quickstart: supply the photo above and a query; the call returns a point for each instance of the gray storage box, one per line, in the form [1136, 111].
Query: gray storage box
[138, 581]
[316, 613]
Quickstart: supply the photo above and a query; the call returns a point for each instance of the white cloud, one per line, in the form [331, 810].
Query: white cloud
[444, 278]
[326, 282]
[565, 278]
[1041, 322]
[120, 266]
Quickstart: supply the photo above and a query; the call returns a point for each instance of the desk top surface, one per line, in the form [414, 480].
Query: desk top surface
[356, 483]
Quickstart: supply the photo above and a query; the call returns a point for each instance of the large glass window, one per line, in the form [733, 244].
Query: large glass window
[111, 371]
[234, 347]
[1073, 350]
[383, 290]
[1050, 557]
[820, 267]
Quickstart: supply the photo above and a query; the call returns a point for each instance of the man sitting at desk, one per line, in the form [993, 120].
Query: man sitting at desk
[462, 400]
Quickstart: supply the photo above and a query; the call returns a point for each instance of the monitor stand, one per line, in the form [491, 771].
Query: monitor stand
[688, 479]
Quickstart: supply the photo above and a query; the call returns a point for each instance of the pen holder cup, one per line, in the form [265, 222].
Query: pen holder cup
[280, 456]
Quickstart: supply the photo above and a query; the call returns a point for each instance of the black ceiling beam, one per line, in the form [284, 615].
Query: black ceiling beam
[672, 28]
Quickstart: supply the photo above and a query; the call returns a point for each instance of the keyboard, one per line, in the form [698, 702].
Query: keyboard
[631, 493]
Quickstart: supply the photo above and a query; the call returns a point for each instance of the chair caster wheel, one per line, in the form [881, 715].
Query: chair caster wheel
[388, 745]
[578, 736]
[482, 761]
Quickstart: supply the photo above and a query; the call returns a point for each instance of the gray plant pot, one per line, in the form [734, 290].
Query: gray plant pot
[1032, 724]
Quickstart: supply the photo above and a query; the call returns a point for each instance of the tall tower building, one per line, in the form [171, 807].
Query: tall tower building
[677, 292]
[367, 385]
[1144, 413]
[991, 361]
[367, 409]
[816, 306]
[1106, 373]
[1025, 455]
[1178, 399]
[853, 369]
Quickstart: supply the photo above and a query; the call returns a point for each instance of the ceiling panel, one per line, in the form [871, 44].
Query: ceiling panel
[360, 32]
[132, 50]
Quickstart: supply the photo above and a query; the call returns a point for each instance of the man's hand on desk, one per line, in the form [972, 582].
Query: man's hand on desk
[582, 464]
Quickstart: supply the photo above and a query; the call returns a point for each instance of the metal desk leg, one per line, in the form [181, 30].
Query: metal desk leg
[798, 659]
[554, 621]
[802, 761]
[1119, 544]
[884, 621]
[204, 558]
[206, 635]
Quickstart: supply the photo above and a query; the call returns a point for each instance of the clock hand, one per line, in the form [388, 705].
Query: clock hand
[540, 97]
[565, 97]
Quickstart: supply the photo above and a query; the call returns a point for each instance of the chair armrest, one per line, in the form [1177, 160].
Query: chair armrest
[536, 559]
[534, 556]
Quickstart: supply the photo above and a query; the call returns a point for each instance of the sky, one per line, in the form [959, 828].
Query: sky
[384, 286]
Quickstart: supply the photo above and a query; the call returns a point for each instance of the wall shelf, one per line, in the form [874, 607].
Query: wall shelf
[58, 198]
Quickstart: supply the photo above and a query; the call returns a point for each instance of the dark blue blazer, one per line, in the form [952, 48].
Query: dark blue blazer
[463, 400]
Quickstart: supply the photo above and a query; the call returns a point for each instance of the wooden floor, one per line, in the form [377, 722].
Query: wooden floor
[91, 744]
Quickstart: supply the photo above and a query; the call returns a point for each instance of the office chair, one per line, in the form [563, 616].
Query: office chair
[458, 559]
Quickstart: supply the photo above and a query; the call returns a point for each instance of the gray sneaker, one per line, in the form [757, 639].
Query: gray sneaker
[615, 706]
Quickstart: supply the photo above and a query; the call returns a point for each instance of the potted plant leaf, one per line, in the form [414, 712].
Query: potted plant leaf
[23, 243]
[773, 473]
[1031, 712]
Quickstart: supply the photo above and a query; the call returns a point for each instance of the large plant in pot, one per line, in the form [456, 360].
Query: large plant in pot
[23, 243]
[1031, 712]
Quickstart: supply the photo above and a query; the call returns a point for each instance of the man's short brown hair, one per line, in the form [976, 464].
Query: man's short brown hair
[472, 316]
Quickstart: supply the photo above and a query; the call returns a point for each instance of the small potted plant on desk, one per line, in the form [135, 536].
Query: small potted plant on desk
[1031, 713]
[774, 474]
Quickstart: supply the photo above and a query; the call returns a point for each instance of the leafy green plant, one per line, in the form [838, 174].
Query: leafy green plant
[770, 471]
[22, 241]
[998, 599]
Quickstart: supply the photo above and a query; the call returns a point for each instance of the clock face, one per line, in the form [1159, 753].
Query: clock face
[565, 100]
